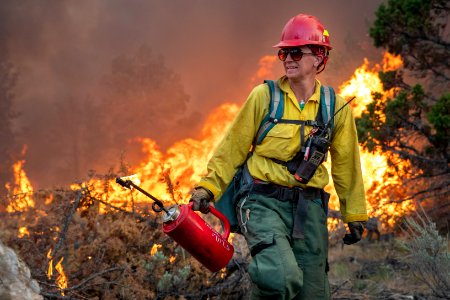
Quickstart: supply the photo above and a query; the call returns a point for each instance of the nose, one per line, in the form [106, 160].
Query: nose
[288, 57]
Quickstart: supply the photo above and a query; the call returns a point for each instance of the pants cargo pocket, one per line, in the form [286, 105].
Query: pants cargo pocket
[266, 269]
[274, 270]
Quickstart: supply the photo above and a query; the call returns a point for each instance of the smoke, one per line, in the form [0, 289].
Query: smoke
[64, 50]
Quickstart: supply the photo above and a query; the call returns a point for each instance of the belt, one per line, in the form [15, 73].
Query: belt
[284, 193]
[292, 194]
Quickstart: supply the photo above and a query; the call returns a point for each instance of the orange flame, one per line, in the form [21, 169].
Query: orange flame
[170, 175]
[50, 264]
[363, 83]
[21, 190]
[23, 231]
[154, 249]
[61, 280]
[265, 70]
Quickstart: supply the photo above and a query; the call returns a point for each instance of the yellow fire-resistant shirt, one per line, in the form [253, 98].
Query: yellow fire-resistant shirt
[283, 142]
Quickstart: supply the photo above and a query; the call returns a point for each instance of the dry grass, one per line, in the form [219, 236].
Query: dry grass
[377, 270]
[108, 256]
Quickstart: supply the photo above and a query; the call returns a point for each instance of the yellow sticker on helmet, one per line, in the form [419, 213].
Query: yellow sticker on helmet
[325, 32]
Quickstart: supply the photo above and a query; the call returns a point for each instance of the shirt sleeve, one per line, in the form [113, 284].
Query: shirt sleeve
[232, 151]
[346, 165]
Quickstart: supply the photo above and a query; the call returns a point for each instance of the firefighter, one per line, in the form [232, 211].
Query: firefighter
[283, 220]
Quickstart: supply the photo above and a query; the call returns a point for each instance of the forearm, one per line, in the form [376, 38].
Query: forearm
[232, 151]
[346, 169]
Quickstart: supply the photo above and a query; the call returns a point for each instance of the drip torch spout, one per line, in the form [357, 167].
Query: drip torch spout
[129, 184]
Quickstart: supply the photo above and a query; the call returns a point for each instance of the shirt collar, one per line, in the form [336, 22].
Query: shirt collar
[283, 83]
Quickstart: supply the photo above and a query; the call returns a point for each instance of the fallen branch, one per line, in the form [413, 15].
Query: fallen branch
[92, 276]
[215, 290]
[338, 287]
[133, 214]
[81, 285]
[67, 221]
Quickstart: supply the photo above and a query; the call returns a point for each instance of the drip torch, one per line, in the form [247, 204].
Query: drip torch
[191, 232]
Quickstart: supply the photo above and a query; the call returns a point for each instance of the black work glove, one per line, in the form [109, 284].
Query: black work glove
[356, 231]
[201, 198]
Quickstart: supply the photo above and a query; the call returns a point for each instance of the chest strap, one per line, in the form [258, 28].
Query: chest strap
[275, 115]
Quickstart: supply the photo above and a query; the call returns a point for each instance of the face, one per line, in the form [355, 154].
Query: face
[298, 61]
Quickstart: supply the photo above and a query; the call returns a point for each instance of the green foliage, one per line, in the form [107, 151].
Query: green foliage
[411, 122]
[412, 16]
[439, 117]
[416, 30]
[173, 280]
[409, 125]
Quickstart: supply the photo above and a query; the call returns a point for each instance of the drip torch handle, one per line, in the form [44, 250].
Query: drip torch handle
[221, 217]
[129, 184]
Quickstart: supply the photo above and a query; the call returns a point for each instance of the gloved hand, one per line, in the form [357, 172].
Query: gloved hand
[356, 231]
[201, 198]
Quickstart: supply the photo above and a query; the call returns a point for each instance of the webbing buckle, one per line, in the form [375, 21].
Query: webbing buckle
[289, 194]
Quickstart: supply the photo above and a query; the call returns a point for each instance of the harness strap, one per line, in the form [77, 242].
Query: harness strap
[276, 110]
[328, 99]
[300, 216]
[297, 122]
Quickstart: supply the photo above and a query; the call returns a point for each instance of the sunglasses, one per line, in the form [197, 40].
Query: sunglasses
[296, 53]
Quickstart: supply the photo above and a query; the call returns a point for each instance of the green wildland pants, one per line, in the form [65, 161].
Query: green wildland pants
[284, 267]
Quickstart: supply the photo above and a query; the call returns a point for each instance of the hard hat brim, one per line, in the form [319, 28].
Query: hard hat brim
[297, 43]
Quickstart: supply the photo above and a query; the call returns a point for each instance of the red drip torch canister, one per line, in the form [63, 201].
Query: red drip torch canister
[191, 232]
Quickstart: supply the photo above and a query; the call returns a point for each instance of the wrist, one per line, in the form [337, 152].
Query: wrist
[210, 194]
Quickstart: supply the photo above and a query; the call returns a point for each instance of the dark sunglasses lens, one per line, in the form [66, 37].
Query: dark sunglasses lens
[282, 54]
[296, 54]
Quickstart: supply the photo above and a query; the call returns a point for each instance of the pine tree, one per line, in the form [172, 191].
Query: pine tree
[414, 124]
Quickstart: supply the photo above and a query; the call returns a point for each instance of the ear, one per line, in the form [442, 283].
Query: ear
[318, 60]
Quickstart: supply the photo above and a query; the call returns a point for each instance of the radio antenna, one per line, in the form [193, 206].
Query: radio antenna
[332, 118]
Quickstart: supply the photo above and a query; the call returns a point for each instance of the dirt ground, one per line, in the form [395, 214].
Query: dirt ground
[374, 270]
[363, 271]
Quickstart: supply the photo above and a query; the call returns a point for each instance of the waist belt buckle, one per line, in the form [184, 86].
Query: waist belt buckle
[290, 194]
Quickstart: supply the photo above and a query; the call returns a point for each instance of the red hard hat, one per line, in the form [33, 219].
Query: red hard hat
[304, 30]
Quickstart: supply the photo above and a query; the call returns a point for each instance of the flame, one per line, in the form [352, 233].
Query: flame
[375, 168]
[362, 84]
[154, 249]
[23, 231]
[133, 178]
[265, 70]
[61, 280]
[48, 199]
[21, 190]
[391, 62]
[170, 175]
[50, 264]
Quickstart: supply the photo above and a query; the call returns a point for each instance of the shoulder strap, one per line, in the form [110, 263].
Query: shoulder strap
[276, 110]
[327, 104]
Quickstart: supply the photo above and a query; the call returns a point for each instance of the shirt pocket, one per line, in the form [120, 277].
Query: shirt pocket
[280, 142]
